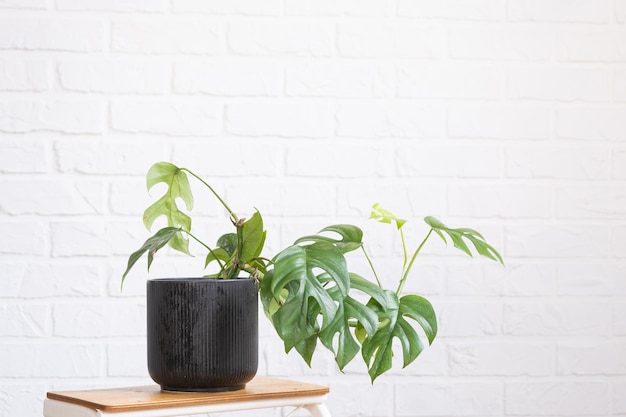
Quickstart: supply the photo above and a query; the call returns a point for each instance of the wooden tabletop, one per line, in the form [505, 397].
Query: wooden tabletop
[151, 397]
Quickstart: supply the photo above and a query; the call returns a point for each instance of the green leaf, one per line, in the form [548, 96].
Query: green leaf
[421, 310]
[306, 348]
[253, 238]
[177, 188]
[379, 345]
[152, 245]
[349, 310]
[347, 347]
[351, 237]
[460, 235]
[329, 259]
[218, 254]
[374, 291]
[223, 254]
[385, 216]
[434, 222]
[296, 318]
[228, 242]
[377, 350]
[270, 303]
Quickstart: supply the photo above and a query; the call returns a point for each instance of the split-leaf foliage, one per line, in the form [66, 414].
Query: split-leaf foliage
[307, 291]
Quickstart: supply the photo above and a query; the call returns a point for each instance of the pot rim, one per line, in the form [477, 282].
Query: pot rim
[199, 279]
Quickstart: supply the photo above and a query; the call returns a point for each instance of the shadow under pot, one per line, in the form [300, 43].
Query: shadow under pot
[202, 333]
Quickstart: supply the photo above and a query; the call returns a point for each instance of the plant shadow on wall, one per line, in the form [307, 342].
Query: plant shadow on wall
[307, 290]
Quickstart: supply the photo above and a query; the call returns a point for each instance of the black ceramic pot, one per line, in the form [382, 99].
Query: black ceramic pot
[202, 333]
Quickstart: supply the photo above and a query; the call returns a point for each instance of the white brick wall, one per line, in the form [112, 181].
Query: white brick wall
[505, 115]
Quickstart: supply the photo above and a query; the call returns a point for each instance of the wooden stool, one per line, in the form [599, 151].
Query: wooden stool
[150, 401]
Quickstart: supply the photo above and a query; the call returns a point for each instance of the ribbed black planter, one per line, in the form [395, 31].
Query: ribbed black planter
[202, 333]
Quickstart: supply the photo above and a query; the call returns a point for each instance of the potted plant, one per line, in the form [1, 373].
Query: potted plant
[307, 292]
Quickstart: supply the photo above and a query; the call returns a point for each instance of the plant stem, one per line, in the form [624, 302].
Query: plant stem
[406, 257]
[230, 212]
[408, 268]
[254, 272]
[207, 247]
[369, 261]
[197, 240]
[237, 261]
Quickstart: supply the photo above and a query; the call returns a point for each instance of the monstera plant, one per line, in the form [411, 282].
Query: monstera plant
[307, 289]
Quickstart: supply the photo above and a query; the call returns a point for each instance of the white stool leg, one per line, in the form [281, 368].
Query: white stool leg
[318, 410]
